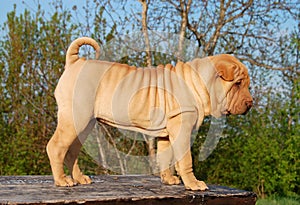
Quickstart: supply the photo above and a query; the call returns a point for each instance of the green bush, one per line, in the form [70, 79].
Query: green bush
[274, 200]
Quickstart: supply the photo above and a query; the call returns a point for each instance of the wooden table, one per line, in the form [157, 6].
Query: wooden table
[115, 190]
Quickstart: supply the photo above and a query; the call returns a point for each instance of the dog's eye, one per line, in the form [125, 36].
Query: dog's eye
[238, 83]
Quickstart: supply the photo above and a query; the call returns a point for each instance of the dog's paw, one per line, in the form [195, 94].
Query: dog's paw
[65, 181]
[196, 185]
[171, 180]
[83, 179]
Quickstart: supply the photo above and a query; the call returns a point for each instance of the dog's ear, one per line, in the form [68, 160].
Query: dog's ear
[225, 70]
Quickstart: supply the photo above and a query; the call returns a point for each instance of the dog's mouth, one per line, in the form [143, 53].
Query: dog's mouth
[226, 112]
[247, 110]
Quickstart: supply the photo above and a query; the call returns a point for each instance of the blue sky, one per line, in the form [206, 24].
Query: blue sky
[7, 6]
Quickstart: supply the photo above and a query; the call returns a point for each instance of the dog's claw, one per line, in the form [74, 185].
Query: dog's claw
[171, 180]
[83, 179]
[197, 186]
[65, 182]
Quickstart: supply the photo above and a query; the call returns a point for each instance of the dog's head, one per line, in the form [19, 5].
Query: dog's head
[235, 85]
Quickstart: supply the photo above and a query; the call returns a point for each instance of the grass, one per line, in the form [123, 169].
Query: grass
[275, 200]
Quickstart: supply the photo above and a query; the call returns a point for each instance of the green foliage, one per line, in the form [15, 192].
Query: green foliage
[32, 59]
[274, 200]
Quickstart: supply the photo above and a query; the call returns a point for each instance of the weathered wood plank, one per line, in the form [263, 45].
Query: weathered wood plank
[115, 190]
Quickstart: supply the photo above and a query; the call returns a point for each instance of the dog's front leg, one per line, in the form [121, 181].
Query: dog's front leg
[165, 158]
[180, 128]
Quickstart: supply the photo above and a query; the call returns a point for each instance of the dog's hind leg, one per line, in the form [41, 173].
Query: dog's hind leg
[57, 147]
[71, 159]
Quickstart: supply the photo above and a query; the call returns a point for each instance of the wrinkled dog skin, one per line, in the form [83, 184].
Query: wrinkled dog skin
[166, 102]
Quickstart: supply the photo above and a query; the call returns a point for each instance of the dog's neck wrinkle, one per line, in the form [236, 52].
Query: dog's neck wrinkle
[200, 91]
[205, 70]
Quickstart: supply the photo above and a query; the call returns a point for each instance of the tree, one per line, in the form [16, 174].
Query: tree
[31, 62]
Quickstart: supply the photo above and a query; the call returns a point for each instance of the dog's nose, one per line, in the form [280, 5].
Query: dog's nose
[249, 104]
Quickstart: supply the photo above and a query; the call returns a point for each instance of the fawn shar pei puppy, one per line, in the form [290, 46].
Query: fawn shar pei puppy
[166, 102]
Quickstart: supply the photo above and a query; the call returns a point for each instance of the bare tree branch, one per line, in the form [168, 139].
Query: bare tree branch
[150, 142]
[249, 59]
[115, 147]
[211, 44]
[243, 8]
[184, 20]
[145, 31]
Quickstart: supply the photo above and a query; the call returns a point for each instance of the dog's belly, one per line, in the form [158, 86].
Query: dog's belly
[136, 115]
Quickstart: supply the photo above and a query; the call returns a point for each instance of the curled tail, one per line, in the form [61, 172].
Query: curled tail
[73, 50]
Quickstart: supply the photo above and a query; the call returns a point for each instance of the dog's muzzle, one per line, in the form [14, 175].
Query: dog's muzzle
[249, 104]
